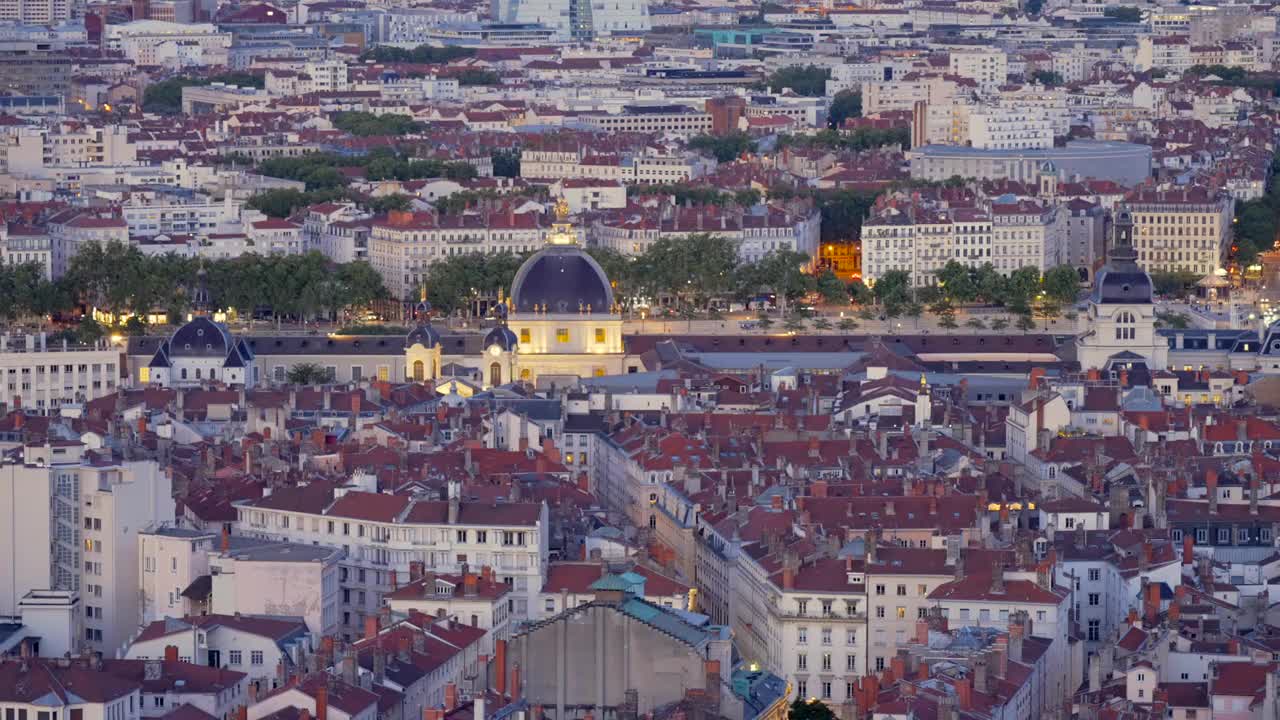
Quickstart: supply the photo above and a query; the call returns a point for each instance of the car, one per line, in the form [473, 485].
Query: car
[748, 325]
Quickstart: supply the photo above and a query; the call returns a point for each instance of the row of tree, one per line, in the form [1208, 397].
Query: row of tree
[165, 97]
[120, 279]
[1023, 292]
[863, 138]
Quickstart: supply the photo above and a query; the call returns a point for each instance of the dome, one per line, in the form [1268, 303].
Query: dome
[501, 337]
[1121, 284]
[201, 337]
[1121, 280]
[563, 279]
[424, 335]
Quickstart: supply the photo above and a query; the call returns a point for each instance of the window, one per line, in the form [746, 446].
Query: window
[802, 608]
[850, 663]
[802, 661]
[1095, 575]
[1094, 599]
[1242, 535]
[562, 335]
[880, 611]
[826, 636]
[234, 657]
[599, 336]
[1224, 535]
[826, 690]
[1094, 630]
[1041, 615]
[879, 664]
[255, 657]
[826, 662]
[524, 336]
[1202, 536]
[802, 636]
[802, 688]
[879, 589]
[550, 605]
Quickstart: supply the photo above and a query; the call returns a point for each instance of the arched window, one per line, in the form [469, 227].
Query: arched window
[1125, 329]
[495, 374]
[197, 373]
[184, 373]
[419, 370]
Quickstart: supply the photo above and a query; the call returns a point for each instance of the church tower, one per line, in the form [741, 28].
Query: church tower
[1119, 329]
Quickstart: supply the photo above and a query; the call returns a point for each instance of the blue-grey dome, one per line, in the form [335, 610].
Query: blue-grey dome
[424, 335]
[201, 337]
[502, 337]
[561, 279]
[1121, 280]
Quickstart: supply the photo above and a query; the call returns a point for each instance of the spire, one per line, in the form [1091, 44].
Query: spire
[200, 293]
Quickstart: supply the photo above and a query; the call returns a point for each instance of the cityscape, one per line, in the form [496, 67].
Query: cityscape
[639, 360]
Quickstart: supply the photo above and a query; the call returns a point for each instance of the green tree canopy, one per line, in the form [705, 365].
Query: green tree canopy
[846, 104]
[725, 147]
[810, 80]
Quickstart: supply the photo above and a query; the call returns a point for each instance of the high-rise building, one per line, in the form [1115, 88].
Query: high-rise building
[72, 524]
[35, 12]
[577, 19]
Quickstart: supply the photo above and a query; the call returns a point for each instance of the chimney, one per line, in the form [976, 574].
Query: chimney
[1211, 486]
[1153, 603]
[922, 631]
[964, 693]
[322, 700]
[515, 683]
[370, 627]
[171, 653]
[980, 674]
[450, 697]
[500, 660]
[226, 539]
[1188, 550]
[997, 579]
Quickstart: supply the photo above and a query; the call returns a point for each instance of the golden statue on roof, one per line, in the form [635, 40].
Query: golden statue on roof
[562, 232]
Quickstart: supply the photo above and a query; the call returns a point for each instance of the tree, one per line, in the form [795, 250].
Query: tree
[280, 202]
[1173, 284]
[893, 291]
[780, 271]
[831, 288]
[867, 314]
[999, 323]
[842, 213]
[506, 163]
[948, 320]
[846, 104]
[1123, 14]
[725, 147]
[1021, 289]
[1048, 78]
[1062, 283]
[859, 293]
[847, 323]
[794, 322]
[422, 55]
[764, 320]
[821, 323]
[957, 282]
[386, 203]
[913, 310]
[363, 124]
[165, 97]
[804, 709]
[976, 323]
[1025, 323]
[307, 374]
[1174, 320]
[476, 76]
[810, 81]
[90, 331]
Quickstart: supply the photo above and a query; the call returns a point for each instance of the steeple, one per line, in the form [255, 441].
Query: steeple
[200, 304]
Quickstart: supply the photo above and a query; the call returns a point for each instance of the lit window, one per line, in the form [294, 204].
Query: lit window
[562, 335]
[599, 335]
[524, 336]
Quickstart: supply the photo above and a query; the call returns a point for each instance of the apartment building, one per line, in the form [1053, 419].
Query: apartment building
[757, 231]
[274, 236]
[387, 537]
[30, 149]
[339, 230]
[989, 67]
[1026, 234]
[43, 376]
[921, 240]
[71, 229]
[170, 44]
[676, 119]
[404, 246]
[804, 619]
[35, 12]
[24, 244]
[188, 572]
[91, 509]
[168, 211]
[1186, 229]
[898, 582]
[1009, 129]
